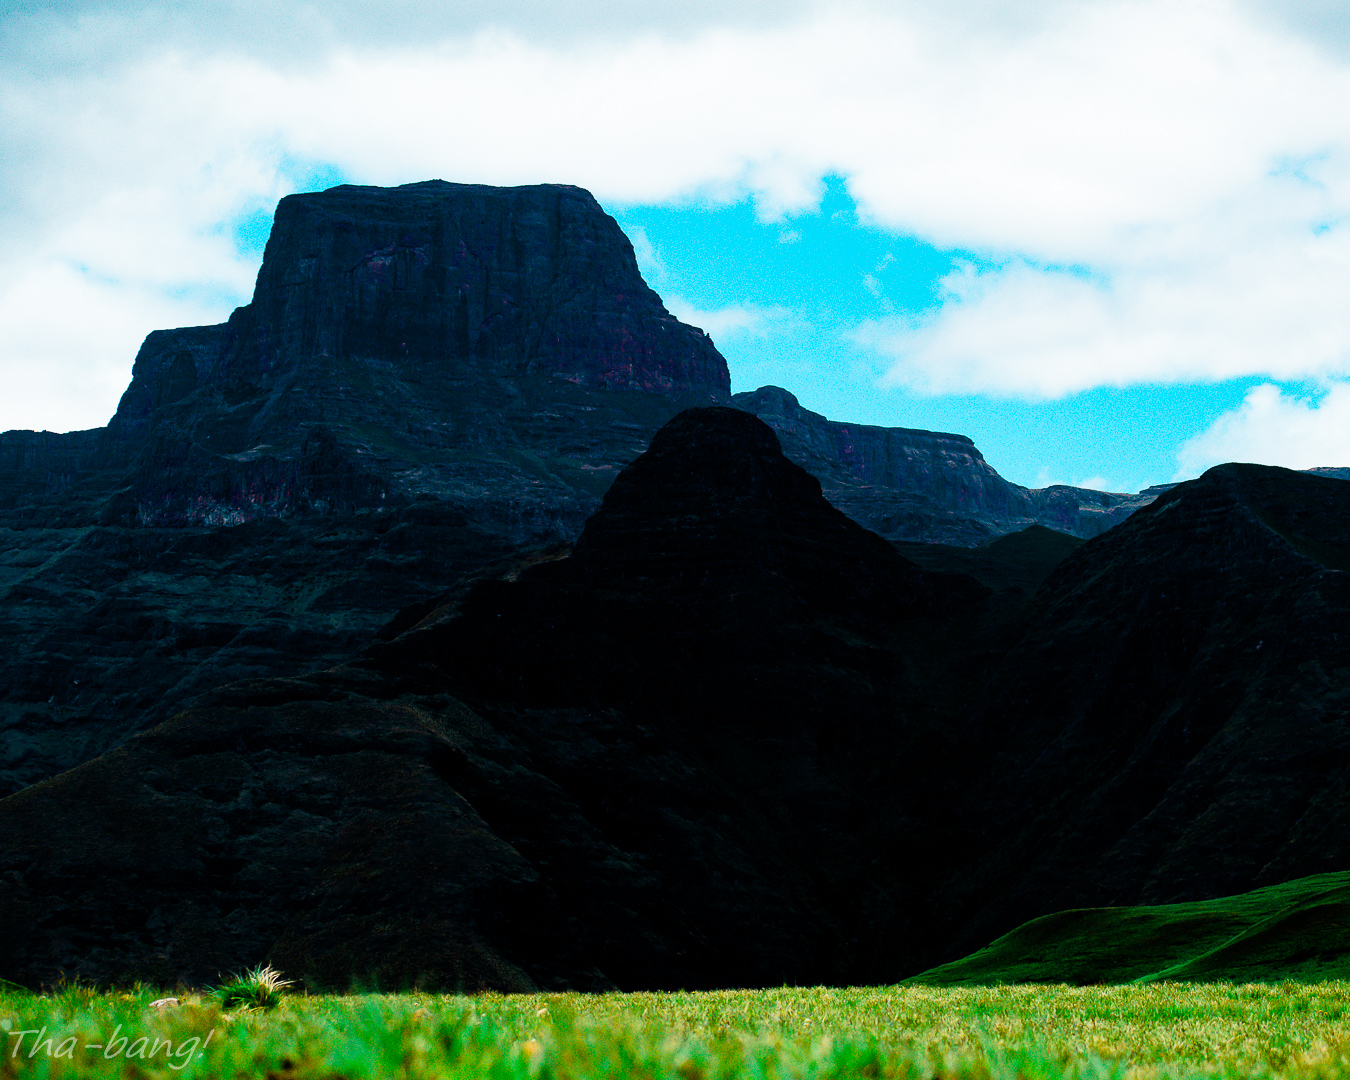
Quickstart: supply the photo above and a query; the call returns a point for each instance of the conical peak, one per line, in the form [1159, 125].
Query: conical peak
[715, 509]
[714, 431]
[709, 460]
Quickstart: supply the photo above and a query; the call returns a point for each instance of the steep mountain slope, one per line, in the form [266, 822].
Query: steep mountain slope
[1174, 724]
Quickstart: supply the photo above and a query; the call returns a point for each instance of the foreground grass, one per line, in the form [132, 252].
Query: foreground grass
[1167, 1030]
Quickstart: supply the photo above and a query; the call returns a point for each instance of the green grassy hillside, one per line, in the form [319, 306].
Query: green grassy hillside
[1299, 930]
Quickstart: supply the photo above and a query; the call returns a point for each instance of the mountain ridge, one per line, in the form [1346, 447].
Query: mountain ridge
[399, 647]
[730, 737]
[428, 379]
[910, 484]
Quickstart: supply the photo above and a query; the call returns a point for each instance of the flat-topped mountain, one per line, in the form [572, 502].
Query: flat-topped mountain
[406, 343]
[428, 379]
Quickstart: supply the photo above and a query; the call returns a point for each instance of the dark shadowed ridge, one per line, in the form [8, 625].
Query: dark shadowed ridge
[651, 764]
[732, 739]
[1172, 725]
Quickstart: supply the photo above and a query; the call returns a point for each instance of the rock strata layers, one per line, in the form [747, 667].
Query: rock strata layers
[929, 486]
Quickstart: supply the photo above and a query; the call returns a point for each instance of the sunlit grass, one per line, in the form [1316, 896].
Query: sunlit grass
[1293, 1030]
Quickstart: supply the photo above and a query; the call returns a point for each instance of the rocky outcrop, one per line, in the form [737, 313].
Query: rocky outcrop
[44, 467]
[931, 486]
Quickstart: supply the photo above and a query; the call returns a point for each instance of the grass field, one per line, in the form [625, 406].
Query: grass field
[1242, 986]
[1294, 1030]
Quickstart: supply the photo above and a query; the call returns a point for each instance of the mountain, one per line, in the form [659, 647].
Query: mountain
[437, 620]
[1172, 723]
[927, 486]
[435, 340]
[429, 379]
[664, 759]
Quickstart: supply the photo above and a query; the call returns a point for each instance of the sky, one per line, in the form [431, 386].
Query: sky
[1107, 239]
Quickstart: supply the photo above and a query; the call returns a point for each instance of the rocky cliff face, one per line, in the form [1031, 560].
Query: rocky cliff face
[408, 342]
[930, 486]
[50, 469]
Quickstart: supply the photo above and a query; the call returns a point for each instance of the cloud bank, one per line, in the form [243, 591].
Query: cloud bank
[1144, 191]
[1274, 428]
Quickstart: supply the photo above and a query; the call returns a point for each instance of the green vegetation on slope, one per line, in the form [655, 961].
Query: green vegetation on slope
[1165, 1031]
[1299, 930]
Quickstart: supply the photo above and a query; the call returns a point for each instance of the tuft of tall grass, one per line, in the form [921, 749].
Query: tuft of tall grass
[260, 988]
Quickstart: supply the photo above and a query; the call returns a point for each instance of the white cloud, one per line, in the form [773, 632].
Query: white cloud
[1248, 289]
[1272, 428]
[649, 260]
[69, 341]
[1178, 155]
[749, 319]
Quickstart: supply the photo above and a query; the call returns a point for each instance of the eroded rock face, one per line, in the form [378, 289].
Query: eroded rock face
[504, 281]
[428, 378]
[410, 341]
[661, 761]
